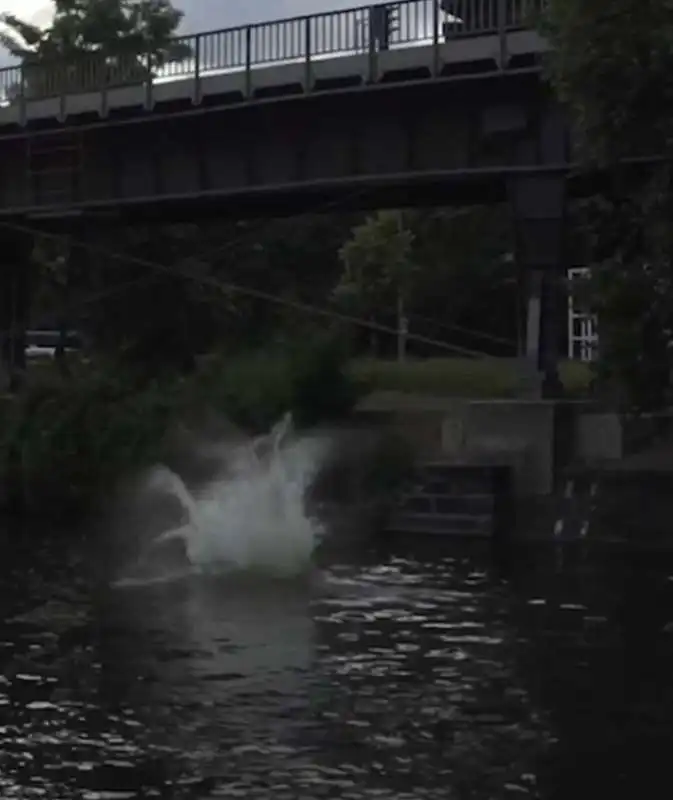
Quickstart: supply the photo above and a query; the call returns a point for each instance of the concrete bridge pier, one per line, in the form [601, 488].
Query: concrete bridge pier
[539, 210]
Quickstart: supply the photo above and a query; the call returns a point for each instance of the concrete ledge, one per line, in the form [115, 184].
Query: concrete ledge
[536, 437]
[604, 436]
[519, 433]
[516, 433]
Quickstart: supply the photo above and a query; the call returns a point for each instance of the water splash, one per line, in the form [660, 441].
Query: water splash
[252, 520]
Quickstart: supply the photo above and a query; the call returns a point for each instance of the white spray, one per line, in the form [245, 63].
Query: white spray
[255, 519]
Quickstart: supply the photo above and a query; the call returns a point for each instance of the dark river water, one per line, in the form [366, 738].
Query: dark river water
[399, 673]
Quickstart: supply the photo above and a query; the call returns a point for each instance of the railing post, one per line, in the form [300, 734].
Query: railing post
[22, 97]
[62, 99]
[372, 52]
[503, 55]
[101, 73]
[196, 94]
[435, 38]
[149, 84]
[308, 45]
[248, 61]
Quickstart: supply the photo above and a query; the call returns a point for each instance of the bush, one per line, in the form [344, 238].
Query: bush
[322, 390]
[254, 389]
[65, 443]
[62, 443]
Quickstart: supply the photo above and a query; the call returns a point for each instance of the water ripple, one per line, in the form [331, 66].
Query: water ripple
[411, 678]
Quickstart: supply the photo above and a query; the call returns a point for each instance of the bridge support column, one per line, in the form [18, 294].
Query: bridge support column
[539, 209]
[17, 282]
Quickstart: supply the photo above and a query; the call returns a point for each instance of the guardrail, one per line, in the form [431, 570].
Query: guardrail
[367, 29]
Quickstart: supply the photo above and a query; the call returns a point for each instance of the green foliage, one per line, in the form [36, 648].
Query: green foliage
[186, 312]
[631, 293]
[449, 265]
[377, 261]
[611, 64]
[322, 390]
[70, 440]
[190, 289]
[209, 286]
[255, 388]
[408, 382]
[465, 274]
[63, 443]
[236, 285]
[91, 43]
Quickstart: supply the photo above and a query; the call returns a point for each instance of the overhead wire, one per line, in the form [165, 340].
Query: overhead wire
[208, 253]
[123, 286]
[228, 287]
[460, 329]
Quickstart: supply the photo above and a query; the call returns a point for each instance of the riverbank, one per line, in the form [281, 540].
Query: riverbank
[66, 441]
[581, 473]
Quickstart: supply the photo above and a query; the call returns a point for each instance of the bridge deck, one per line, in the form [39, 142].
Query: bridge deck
[463, 112]
[283, 57]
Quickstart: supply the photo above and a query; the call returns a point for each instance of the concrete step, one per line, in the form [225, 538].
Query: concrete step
[441, 524]
[426, 503]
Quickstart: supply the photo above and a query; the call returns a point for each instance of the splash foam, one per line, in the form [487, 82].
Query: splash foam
[255, 518]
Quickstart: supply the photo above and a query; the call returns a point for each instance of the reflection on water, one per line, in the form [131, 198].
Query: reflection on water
[396, 675]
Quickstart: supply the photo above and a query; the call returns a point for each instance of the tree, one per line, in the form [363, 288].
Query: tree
[466, 280]
[378, 268]
[451, 265]
[94, 43]
[144, 297]
[150, 294]
[90, 43]
[611, 64]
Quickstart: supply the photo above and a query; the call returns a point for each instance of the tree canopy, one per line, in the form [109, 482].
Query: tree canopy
[611, 64]
[448, 266]
[94, 42]
[158, 297]
[377, 260]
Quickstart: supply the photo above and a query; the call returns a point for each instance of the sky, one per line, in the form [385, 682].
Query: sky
[200, 15]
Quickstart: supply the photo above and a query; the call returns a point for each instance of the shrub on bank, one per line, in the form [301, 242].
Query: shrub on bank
[64, 443]
[254, 389]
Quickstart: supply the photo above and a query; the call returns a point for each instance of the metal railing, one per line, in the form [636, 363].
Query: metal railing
[368, 29]
[582, 323]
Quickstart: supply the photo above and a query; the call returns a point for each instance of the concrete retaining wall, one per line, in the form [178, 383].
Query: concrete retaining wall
[538, 438]
[517, 433]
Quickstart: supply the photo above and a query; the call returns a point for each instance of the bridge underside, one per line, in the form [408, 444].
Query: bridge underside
[423, 143]
[468, 140]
